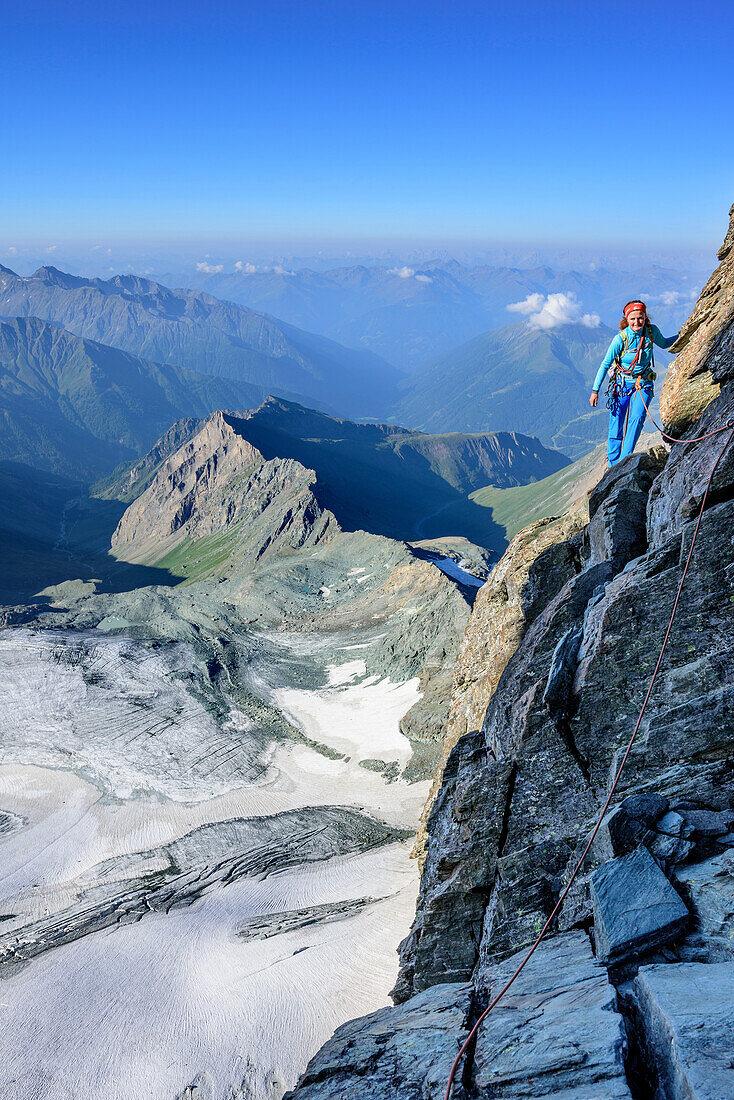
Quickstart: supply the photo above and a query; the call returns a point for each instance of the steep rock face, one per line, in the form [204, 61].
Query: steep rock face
[520, 794]
[215, 481]
[705, 345]
[129, 483]
[542, 556]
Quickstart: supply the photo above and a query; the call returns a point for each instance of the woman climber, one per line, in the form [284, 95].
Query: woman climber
[631, 358]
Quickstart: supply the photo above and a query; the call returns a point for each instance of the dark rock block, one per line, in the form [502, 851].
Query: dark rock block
[636, 472]
[617, 531]
[684, 1014]
[669, 843]
[635, 907]
[402, 1053]
[562, 671]
[629, 825]
[645, 807]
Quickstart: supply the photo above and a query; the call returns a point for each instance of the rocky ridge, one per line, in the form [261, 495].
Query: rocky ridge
[705, 344]
[543, 707]
[217, 480]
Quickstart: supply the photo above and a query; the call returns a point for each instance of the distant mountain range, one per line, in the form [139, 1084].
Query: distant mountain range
[537, 381]
[411, 314]
[193, 330]
[78, 408]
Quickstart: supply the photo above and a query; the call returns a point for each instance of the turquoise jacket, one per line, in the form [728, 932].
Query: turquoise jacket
[643, 363]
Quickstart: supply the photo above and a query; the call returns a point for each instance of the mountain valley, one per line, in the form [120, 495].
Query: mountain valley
[241, 636]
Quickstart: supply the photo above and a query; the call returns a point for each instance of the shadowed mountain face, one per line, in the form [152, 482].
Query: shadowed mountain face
[371, 477]
[79, 408]
[51, 531]
[515, 377]
[193, 330]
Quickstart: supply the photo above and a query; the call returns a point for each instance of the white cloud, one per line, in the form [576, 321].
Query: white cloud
[554, 310]
[209, 269]
[12, 250]
[424, 278]
[51, 248]
[252, 269]
[532, 304]
[672, 297]
[402, 272]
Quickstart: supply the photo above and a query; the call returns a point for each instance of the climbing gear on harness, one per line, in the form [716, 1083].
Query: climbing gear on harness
[619, 373]
[729, 426]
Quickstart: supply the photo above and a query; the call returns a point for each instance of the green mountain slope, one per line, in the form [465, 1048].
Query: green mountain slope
[194, 330]
[515, 507]
[79, 408]
[533, 381]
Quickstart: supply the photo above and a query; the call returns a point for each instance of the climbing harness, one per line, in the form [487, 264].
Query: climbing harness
[729, 426]
[619, 373]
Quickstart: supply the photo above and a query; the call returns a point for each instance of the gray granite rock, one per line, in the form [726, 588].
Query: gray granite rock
[518, 799]
[402, 1053]
[685, 1013]
[635, 907]
[618, 509]
[708, 887]
[669, 843]
[630, 824]
[705, 823]
[556, 1032]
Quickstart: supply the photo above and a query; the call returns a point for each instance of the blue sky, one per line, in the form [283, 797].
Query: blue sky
[550, 122]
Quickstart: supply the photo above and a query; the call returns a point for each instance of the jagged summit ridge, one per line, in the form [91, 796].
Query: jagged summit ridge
[522, 788]
[218, 481]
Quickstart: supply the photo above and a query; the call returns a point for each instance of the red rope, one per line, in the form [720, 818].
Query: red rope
[671, 438]
[605, 807]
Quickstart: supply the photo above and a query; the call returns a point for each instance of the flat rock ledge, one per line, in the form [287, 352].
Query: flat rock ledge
[557, 1032]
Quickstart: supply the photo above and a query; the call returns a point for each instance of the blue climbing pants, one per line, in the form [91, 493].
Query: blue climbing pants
[619, 443]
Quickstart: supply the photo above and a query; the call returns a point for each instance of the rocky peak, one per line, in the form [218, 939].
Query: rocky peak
[218, 483]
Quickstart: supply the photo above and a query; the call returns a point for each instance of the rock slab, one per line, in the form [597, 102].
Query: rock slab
[687, 1014]
[556, 1032]
[635, 907]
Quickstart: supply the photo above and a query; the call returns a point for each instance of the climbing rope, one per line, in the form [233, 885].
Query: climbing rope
[671, 438]
[470, 1037]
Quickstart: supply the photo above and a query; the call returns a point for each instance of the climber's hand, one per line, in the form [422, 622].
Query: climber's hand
[593, 400]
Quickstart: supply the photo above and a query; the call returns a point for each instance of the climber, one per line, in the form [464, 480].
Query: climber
[631, 358]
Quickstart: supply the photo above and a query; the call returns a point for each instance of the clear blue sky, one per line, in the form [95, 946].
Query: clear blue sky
[556, 121]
